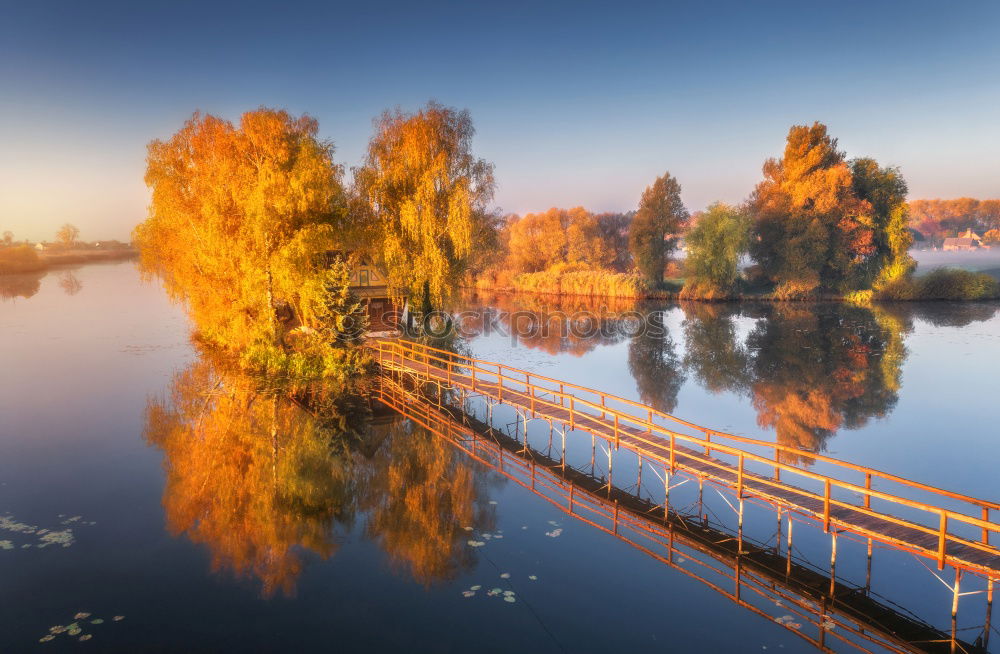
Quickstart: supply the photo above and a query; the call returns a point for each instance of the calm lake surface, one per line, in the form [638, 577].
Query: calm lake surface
[139, 481]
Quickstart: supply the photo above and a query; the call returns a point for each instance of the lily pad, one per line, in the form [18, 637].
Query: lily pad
[509, 598]
[533, 577]
[476, 587]
[97, 621]
[86, 637]
[118, 618]
[505, 575]
[81, 615]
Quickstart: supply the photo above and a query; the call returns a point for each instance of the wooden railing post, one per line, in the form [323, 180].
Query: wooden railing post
[739, 479]
[708, 439]
[868, 487]
[986, 531]
[473, 378]
[826, 506]
[616, 430]
[500, 382]
[572, 415]
[673, 452]
[942, 539]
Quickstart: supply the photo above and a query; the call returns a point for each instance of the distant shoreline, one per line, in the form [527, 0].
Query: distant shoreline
[48, 260]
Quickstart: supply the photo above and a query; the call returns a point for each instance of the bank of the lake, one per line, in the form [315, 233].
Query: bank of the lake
[12, 263]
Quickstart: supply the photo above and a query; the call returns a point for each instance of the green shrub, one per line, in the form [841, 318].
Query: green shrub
[956, 284]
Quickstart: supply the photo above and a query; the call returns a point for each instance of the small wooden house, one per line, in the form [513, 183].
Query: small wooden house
[369, 284]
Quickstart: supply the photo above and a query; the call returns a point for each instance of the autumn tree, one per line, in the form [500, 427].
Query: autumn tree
[572, 236]
[426, 196]
[809, 226]
[241, 219]
[67, 235]
[884, 190]
[613, 229]
[714, 247]
[656, 227]
[8, 238]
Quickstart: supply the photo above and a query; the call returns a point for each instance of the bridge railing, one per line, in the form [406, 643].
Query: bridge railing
[608, 416]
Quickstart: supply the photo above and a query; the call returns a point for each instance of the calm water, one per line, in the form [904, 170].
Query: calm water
[138, 480]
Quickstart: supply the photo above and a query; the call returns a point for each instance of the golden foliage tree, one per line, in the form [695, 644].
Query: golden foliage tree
[427, 196]
[240, 221]
[538, 241]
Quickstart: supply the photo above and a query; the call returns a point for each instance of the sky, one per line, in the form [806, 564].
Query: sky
[576, 103]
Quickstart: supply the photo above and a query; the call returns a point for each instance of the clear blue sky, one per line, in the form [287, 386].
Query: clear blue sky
[576, 103]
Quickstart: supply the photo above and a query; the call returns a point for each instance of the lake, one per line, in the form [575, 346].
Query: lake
[184, 507]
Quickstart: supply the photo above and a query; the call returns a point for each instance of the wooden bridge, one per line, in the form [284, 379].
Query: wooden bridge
[947, 527]
[823, 610]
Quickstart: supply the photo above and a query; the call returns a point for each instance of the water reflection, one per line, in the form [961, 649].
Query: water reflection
[23, 285]
[69, 283]
[815, 370]
[653, 363]
[264, 481]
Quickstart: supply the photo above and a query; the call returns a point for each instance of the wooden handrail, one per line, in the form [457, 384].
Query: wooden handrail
[528, 389]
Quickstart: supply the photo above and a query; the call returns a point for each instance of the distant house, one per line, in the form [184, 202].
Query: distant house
[369, 284]
[968, 240]
[40, 247]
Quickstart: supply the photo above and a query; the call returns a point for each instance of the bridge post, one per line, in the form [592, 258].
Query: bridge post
[868, 569]
[989, 612]
[788, 551]
[942, 539]
[826, 506]
[833, 561]
[954, 605]
[638, 489]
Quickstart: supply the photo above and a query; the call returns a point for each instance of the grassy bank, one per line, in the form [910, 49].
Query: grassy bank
[940, 284]
[24, 258]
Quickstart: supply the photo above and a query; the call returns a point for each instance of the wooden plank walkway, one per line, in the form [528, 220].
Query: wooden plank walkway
[579, 409]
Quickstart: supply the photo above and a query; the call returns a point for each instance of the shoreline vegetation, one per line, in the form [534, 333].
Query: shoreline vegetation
[941, 284]
[25, 259]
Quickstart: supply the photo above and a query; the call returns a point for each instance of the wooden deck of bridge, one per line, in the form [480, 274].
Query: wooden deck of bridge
[656, 443]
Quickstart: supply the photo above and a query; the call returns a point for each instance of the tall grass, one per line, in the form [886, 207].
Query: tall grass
[565, 279]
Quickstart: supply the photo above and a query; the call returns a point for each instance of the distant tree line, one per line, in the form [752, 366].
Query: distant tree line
[937, 219]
